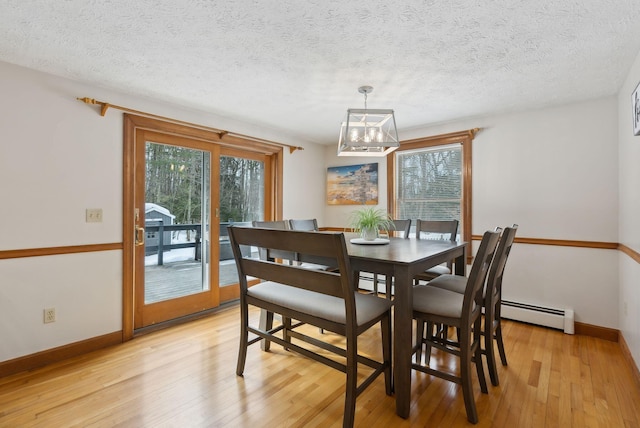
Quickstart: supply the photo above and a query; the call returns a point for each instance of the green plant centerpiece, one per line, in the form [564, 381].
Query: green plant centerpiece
[369, 221]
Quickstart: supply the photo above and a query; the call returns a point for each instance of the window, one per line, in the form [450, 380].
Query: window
[429, 183]
[430, 179]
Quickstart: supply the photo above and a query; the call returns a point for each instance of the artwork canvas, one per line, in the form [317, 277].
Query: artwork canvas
[353, 184]
[635, 108]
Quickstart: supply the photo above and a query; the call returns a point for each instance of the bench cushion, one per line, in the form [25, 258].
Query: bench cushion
[331, 308]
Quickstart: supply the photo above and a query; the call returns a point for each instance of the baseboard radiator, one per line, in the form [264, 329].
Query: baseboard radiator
[561, 319]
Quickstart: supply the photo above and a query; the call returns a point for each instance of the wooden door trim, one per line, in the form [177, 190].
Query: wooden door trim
[128, 210]
[273, 200]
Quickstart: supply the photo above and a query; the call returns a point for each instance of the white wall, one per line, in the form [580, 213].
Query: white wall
[554, 172]
[58, 157]
[304, 184]
[629, 228]
[85, 289]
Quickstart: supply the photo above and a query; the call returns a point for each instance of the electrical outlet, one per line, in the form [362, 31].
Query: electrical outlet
[49, 315]
[94, 215]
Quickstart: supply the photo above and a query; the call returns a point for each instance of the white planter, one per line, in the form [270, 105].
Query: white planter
[369, 234]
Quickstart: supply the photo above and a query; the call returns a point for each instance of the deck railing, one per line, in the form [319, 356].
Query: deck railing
[161, 247]
[160, 228]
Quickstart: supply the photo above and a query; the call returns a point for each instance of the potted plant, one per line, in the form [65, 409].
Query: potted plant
[369, 221]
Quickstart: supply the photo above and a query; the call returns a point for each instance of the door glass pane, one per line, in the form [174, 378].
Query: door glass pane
[241, 202]
[176, 221]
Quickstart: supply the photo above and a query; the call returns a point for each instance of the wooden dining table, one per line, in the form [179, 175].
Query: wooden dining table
[401, 259]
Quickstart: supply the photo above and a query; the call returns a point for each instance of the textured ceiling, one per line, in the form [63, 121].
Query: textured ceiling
[296, 65]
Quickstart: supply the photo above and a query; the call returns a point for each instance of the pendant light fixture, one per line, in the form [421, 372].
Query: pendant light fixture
[368, 132]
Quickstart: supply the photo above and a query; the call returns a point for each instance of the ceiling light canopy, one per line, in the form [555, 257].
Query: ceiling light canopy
[368, 132]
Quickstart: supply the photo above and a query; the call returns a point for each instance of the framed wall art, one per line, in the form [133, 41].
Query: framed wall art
[353, 184]
[635, 104]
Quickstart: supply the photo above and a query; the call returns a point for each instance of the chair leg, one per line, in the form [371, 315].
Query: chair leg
[498, 335]
[491, 361]
[351, 383]
[490, 352]
[477, 337]
[443, 332]
[375, 284]
[427, 345]
[286, 321]
[385, 326]
[266, 323]
[465, 376]
[419, 339]
[244, 340]
[388, 282]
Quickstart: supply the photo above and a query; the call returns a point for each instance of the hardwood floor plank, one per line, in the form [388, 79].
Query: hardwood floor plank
[185, 376]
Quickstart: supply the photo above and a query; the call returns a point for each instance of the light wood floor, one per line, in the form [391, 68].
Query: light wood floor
[185, 377]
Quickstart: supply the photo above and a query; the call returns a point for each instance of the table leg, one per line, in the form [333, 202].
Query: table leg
[402, 336]
[460, 263]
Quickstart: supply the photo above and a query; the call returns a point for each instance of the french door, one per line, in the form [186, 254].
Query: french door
[173, 221]
[186, 192]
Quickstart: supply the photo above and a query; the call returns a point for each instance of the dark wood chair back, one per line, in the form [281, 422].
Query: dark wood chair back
[310, 225]
[329, 246]
[437, 229]
[400, 228]
[305, 225]
[271, 254]
[493, 303]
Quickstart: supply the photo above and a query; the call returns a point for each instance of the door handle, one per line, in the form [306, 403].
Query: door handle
[139, 236]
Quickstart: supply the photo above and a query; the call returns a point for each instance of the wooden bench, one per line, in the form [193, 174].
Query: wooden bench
[325, 299]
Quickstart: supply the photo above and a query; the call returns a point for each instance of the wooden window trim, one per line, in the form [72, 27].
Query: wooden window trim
[465, 139]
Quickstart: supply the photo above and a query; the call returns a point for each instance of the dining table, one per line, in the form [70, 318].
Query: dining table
[401, 259]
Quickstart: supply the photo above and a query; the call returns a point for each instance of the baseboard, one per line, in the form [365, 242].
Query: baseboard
[610, 334]
[54, 355]
[626, 352]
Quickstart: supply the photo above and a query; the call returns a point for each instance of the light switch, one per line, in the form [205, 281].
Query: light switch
[94, 215]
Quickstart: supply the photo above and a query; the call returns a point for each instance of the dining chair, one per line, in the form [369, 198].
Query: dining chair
[270, 254]
[492, 301]
[304, 224]
[438, 230]
[325, 299]
[309, 262]
[400, 229]
[493, 304]
[434, 305]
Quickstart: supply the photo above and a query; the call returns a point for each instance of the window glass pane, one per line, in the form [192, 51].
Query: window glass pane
[176, 221]
[241, 189]
[429, 183]
[242, 184]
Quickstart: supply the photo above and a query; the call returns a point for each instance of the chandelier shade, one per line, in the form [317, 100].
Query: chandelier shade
[368, 132]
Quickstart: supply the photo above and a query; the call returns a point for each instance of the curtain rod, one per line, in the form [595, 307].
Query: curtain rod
[105, 106]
